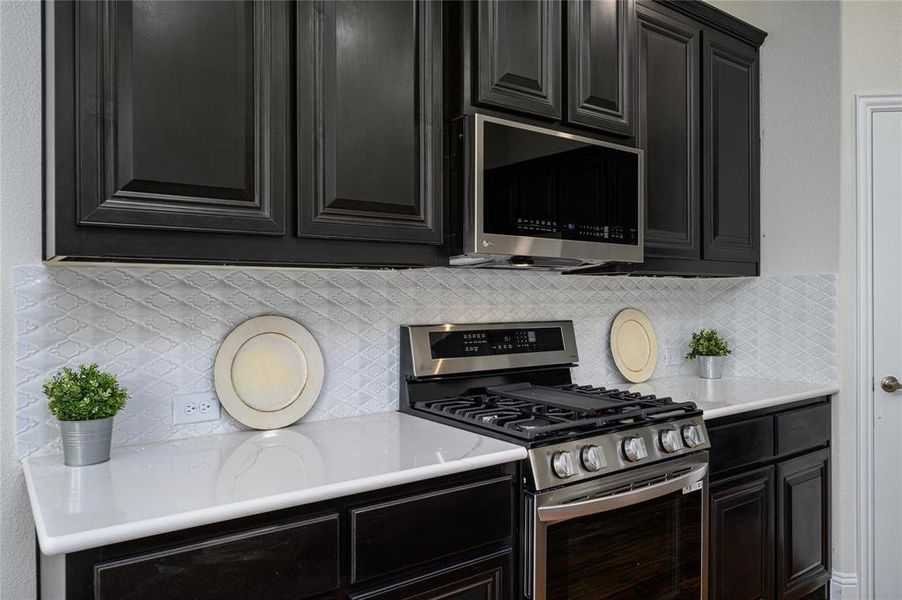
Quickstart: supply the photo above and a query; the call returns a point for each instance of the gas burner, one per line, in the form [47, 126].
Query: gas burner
[528, 424]
[548, 413]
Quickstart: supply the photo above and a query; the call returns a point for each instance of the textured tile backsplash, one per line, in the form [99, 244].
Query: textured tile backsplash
[159, 329]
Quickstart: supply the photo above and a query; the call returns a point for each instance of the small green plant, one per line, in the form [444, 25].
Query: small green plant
[707, 342]
[84, 394]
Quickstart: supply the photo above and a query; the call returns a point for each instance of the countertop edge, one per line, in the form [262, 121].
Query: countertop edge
[75, 542]
[727, 411]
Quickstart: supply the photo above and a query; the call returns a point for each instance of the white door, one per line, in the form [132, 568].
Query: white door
[886, 188]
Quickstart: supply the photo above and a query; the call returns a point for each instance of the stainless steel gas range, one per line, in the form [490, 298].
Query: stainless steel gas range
[614, 492]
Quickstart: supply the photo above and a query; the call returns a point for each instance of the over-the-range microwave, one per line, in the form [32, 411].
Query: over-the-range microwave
[529, 196]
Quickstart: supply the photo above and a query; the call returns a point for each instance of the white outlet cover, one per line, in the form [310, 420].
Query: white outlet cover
[195, 408]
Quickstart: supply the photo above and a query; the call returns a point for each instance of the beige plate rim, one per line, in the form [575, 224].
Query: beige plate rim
[636, 316]
[222, 372]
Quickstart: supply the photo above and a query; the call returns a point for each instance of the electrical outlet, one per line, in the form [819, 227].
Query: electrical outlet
[194, 408]
[673, 355]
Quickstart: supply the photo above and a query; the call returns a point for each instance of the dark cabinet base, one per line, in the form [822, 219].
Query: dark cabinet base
[770, 503]
[451, 537]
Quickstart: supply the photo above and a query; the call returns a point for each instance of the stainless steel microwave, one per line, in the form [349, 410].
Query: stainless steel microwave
[528, 196]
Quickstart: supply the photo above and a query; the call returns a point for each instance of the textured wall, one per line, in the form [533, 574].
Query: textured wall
[159, 329]
[20, 235]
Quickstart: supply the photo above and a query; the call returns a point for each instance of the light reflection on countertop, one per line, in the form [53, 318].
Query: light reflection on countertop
[157, 488]
[733, 395]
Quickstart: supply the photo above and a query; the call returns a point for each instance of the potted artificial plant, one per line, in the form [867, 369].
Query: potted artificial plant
[709, 350]
[85, 401]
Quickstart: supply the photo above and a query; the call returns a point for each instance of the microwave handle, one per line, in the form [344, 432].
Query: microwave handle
[573, 510]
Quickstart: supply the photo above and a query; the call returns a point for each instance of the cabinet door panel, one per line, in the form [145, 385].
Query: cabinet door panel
[298, 560]
[399, 534]
[731, 186]
[487, 578]
[669, 131]
[600, 64]
[182, 115]
[742, 536]
[369, 122]
[519, 56]
[803, 524]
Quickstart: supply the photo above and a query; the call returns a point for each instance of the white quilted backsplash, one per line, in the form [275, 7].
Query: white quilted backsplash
[159, 329]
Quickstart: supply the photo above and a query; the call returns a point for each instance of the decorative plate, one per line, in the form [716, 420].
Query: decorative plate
[634, 345]
[268, 372]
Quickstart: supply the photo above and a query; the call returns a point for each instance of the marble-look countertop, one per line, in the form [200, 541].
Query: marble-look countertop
[158, 488]
[733, 395]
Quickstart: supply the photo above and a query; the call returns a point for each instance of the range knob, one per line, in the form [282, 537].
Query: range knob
[692, 434]
[634, 449]
[562, 464]
[671, 440]
[593, 458]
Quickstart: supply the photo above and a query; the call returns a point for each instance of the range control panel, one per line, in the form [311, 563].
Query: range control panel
[459, 344]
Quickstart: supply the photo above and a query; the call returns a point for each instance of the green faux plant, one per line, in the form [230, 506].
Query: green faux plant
[707, 342]
[85, 393]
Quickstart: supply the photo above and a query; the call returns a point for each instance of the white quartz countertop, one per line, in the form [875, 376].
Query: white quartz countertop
[153, 489]
[733, 395]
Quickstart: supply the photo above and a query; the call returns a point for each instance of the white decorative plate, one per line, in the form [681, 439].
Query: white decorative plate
[634, 345]
[268, 372]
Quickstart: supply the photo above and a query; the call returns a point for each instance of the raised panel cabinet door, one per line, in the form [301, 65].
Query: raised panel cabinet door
[803, 524]
[669, 131]
[600, 64]
[486, 578]
[294, 560]
[742, 536]
[182, 118]
[731, 149]
[369, 93]
[518, 53]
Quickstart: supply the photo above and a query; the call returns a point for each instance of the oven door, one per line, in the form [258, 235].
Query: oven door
[641, 534]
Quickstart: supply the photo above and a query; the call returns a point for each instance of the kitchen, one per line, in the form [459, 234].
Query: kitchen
[272, 224]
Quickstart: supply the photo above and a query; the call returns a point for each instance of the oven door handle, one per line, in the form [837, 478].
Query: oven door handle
[574, 510]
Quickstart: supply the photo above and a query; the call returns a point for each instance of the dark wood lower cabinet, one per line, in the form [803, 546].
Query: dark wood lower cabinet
[482, 579]
[742, 536]
[297, 560]
[803, 520]
[449, 538]
[770, 503]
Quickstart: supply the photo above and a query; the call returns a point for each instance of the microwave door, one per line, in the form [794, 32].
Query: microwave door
[548, 194]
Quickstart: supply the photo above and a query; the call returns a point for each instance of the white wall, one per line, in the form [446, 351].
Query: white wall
[20, 243]
[872, 64]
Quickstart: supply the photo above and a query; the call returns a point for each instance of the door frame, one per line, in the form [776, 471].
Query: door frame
[866, 106]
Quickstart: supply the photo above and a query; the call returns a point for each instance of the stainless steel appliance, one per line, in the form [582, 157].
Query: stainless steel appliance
[528, 196]
[614, 494]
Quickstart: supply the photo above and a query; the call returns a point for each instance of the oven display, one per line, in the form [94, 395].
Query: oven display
[461, 344]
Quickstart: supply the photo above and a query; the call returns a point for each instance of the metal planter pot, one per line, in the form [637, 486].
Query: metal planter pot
[86, 442]
[710, 367]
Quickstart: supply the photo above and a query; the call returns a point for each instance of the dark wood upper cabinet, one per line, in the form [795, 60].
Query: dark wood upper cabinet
[601, 64]
[182, 118]
[731, 149]
[669, 131]
[369, 84]
[518, 56]
[803, 524]
[742, 537]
